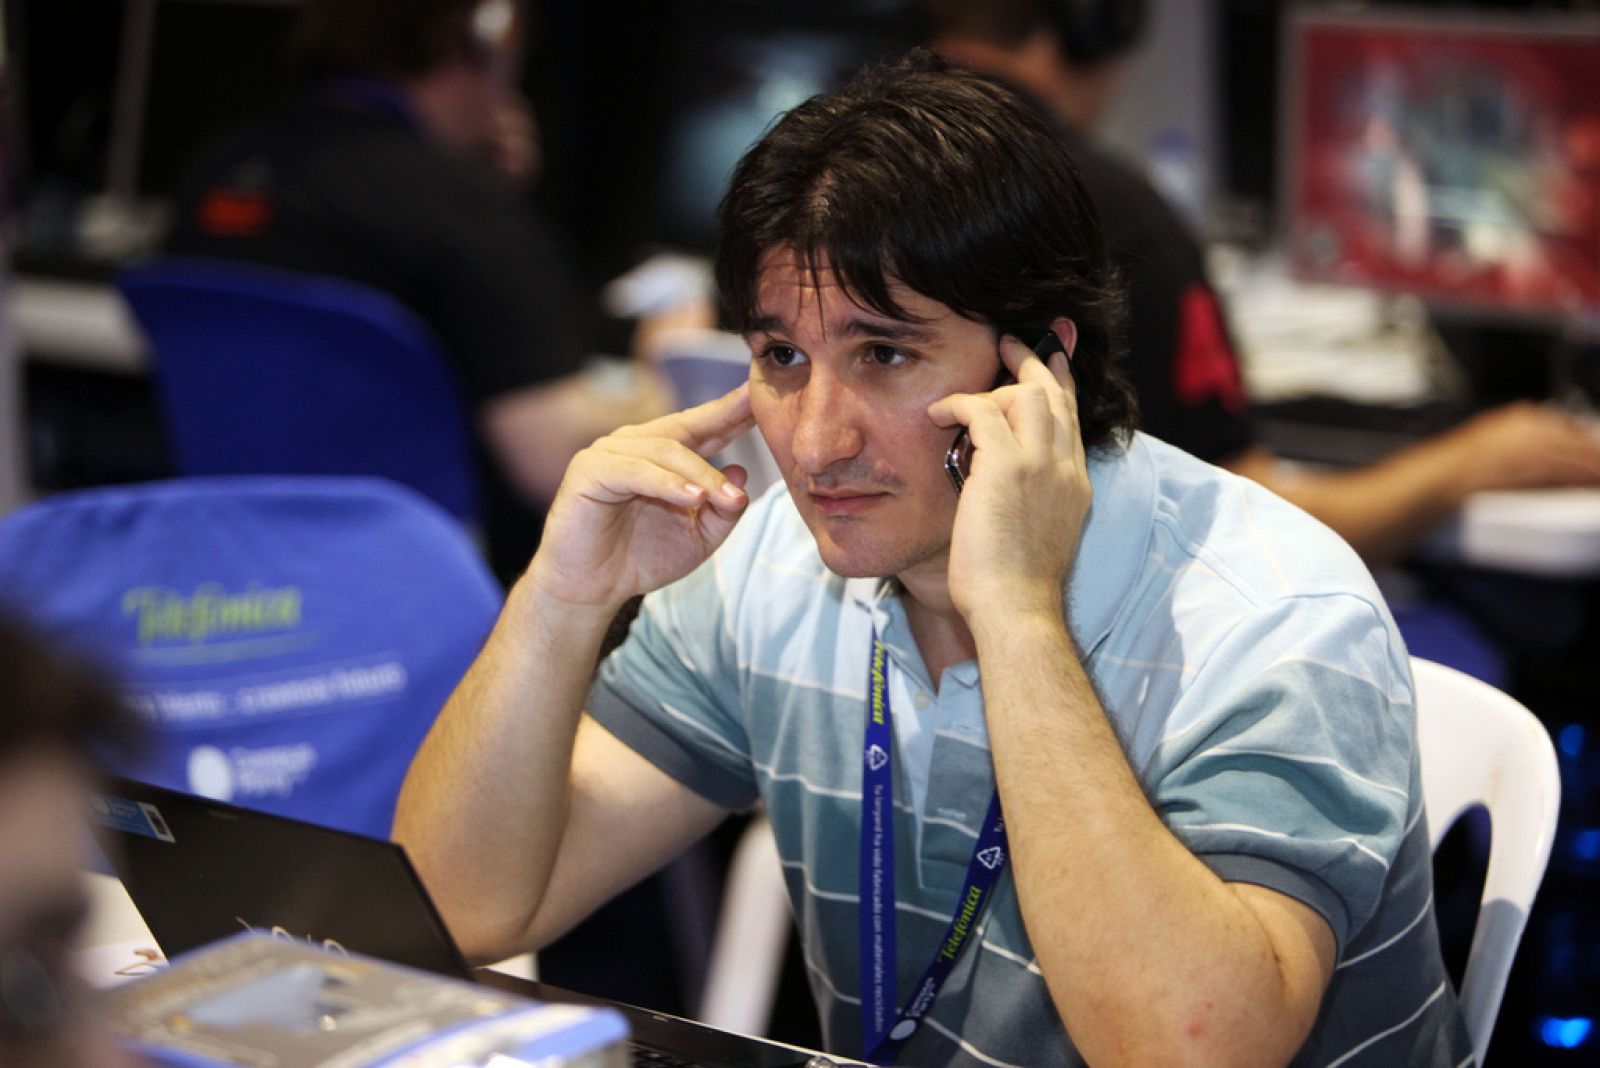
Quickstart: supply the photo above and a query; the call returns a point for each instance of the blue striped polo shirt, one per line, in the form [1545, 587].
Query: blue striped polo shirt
[1248, 665]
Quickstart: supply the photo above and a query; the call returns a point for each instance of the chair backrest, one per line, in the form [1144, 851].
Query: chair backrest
[751, 936]
[263, 371]
[1480, 747]
[286, 641]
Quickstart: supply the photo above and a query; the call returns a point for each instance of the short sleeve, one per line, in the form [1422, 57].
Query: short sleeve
[671, 691]
[1289, 762]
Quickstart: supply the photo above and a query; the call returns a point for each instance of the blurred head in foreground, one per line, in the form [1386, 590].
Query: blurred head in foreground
[50, 708]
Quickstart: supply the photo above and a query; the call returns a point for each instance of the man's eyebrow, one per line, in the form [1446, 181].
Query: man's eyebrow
[889, 329]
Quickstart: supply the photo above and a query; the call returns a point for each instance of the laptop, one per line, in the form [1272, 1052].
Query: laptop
[198, 870]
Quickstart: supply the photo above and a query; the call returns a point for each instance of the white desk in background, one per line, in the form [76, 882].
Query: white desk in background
[1296, 339]
[1546, 533]
[84, 324]
[67, 323]
[80, 324]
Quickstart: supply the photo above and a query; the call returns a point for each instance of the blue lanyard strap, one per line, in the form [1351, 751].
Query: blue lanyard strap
[881, 1035]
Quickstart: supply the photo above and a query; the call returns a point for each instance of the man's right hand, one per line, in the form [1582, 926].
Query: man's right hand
[1525, 446]
[642, 507]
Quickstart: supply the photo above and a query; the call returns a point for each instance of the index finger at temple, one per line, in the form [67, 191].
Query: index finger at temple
[709, 427]
[669, 455]
[1053, 376]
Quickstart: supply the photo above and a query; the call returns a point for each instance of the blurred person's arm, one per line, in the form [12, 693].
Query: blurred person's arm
[1384, 510]
[535, 432]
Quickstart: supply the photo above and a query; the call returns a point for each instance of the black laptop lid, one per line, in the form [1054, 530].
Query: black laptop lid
[199, 870]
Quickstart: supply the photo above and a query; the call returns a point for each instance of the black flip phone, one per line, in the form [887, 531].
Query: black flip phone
[958, 460]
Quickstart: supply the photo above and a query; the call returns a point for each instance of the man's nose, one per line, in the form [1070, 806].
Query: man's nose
[827, 427]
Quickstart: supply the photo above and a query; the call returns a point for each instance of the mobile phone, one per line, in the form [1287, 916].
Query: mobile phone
[958, 459]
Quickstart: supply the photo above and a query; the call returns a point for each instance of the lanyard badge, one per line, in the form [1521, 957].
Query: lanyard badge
[884, 1027]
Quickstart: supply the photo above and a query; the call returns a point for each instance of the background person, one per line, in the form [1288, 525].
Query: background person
[399, 165]
[1068, 57]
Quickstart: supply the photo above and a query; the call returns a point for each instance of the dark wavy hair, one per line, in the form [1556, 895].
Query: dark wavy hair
[945, 181]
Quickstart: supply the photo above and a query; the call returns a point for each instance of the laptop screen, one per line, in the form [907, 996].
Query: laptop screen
[199, 870]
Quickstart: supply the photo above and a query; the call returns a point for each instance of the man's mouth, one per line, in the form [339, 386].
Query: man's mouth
[845, 502]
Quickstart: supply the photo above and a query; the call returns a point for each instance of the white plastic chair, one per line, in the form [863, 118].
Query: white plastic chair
[1479, 747]
[752, 933]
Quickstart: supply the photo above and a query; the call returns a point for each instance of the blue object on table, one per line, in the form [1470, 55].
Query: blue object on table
[285, 641]
[265, 371]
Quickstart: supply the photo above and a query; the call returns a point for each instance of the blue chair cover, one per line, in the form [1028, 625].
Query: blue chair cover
[1439, 632]
[263, 371]
[286, 641]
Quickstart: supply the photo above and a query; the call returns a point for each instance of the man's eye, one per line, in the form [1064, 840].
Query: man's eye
[887, 355]
[783, 355]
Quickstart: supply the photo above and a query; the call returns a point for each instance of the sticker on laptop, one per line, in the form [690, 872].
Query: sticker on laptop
[131, 817]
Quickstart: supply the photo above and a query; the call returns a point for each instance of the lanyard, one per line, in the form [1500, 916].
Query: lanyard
[884, 1028]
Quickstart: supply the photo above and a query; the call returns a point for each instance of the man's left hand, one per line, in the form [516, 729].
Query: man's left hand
[1025, 501]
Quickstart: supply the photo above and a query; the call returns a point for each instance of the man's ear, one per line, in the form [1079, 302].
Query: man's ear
[1066, 331]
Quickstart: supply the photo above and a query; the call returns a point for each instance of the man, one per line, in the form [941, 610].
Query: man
[1184, 695]
[1068, 57]
[51, 709]
[399, 166]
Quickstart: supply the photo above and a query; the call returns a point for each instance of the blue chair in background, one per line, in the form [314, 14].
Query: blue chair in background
[263, 371]
[286, 641]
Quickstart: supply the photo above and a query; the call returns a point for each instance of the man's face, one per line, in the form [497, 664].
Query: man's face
[483, 85]
[841, 394]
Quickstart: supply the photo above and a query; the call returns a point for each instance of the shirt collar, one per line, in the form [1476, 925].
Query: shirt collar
[880, 599]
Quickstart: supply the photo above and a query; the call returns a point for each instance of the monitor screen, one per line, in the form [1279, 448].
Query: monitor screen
[209, 65]
[115, 97]
[729, 71]
[1454, 158]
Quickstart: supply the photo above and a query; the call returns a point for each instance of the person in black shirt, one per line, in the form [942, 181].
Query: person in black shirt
[1068, 57]
[399, 165]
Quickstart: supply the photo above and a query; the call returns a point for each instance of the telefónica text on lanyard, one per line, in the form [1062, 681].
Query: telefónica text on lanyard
[886, 1025]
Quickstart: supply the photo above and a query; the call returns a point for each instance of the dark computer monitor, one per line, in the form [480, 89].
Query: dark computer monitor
[189, 70]
[1453, 157]
[728, 69]
[113, 99]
